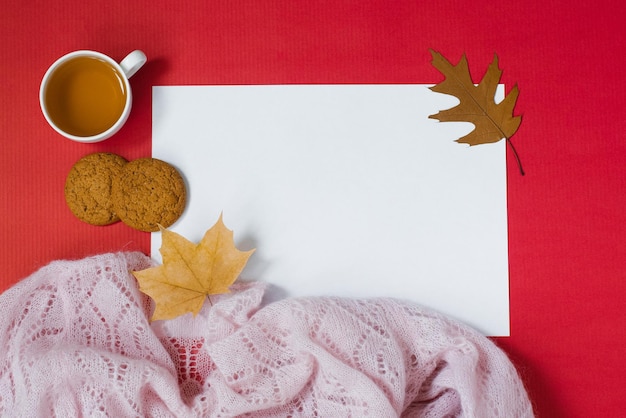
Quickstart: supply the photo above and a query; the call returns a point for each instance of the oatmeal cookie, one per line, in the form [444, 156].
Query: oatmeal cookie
[147, 193]
[88, 187]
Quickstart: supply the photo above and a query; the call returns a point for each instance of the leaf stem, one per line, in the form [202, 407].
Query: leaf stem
[519, 162]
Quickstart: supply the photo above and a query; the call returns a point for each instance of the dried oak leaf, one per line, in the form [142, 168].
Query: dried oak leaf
[191, 272]
[493, 121]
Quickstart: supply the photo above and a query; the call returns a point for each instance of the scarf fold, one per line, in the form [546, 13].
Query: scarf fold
[76, 341]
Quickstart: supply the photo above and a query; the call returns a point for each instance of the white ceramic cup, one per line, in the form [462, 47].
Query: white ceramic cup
[84, 90]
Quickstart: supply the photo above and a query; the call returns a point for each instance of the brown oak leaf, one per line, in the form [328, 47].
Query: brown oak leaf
[191, 272]
[492, 121]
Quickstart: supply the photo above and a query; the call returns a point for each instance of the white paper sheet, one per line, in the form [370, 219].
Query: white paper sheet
[345, 190]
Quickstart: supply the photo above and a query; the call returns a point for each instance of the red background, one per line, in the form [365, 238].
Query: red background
[566, 216]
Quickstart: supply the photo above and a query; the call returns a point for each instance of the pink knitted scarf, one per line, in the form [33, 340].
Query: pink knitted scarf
[76, 341]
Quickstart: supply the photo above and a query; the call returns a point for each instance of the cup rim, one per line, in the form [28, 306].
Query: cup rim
[102, 135]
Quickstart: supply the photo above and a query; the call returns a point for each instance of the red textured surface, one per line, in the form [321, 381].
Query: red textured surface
[566, 216]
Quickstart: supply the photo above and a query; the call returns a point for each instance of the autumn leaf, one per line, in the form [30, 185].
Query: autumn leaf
[191, 272]
[492, 121]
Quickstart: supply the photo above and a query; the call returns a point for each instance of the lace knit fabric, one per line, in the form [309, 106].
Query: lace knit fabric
[76, 341]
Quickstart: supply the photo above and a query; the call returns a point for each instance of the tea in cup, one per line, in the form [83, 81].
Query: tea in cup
[85, 95]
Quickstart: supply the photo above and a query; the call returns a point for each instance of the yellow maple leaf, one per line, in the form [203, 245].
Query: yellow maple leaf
[492, 121]
[191, 272]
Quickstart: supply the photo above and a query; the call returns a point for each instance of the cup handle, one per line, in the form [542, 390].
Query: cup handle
[133, 62]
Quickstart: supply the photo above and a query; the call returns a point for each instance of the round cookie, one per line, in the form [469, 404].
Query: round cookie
[147, 193]
[88, 187]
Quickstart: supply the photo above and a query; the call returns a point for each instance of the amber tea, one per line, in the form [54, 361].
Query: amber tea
[85, 96]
